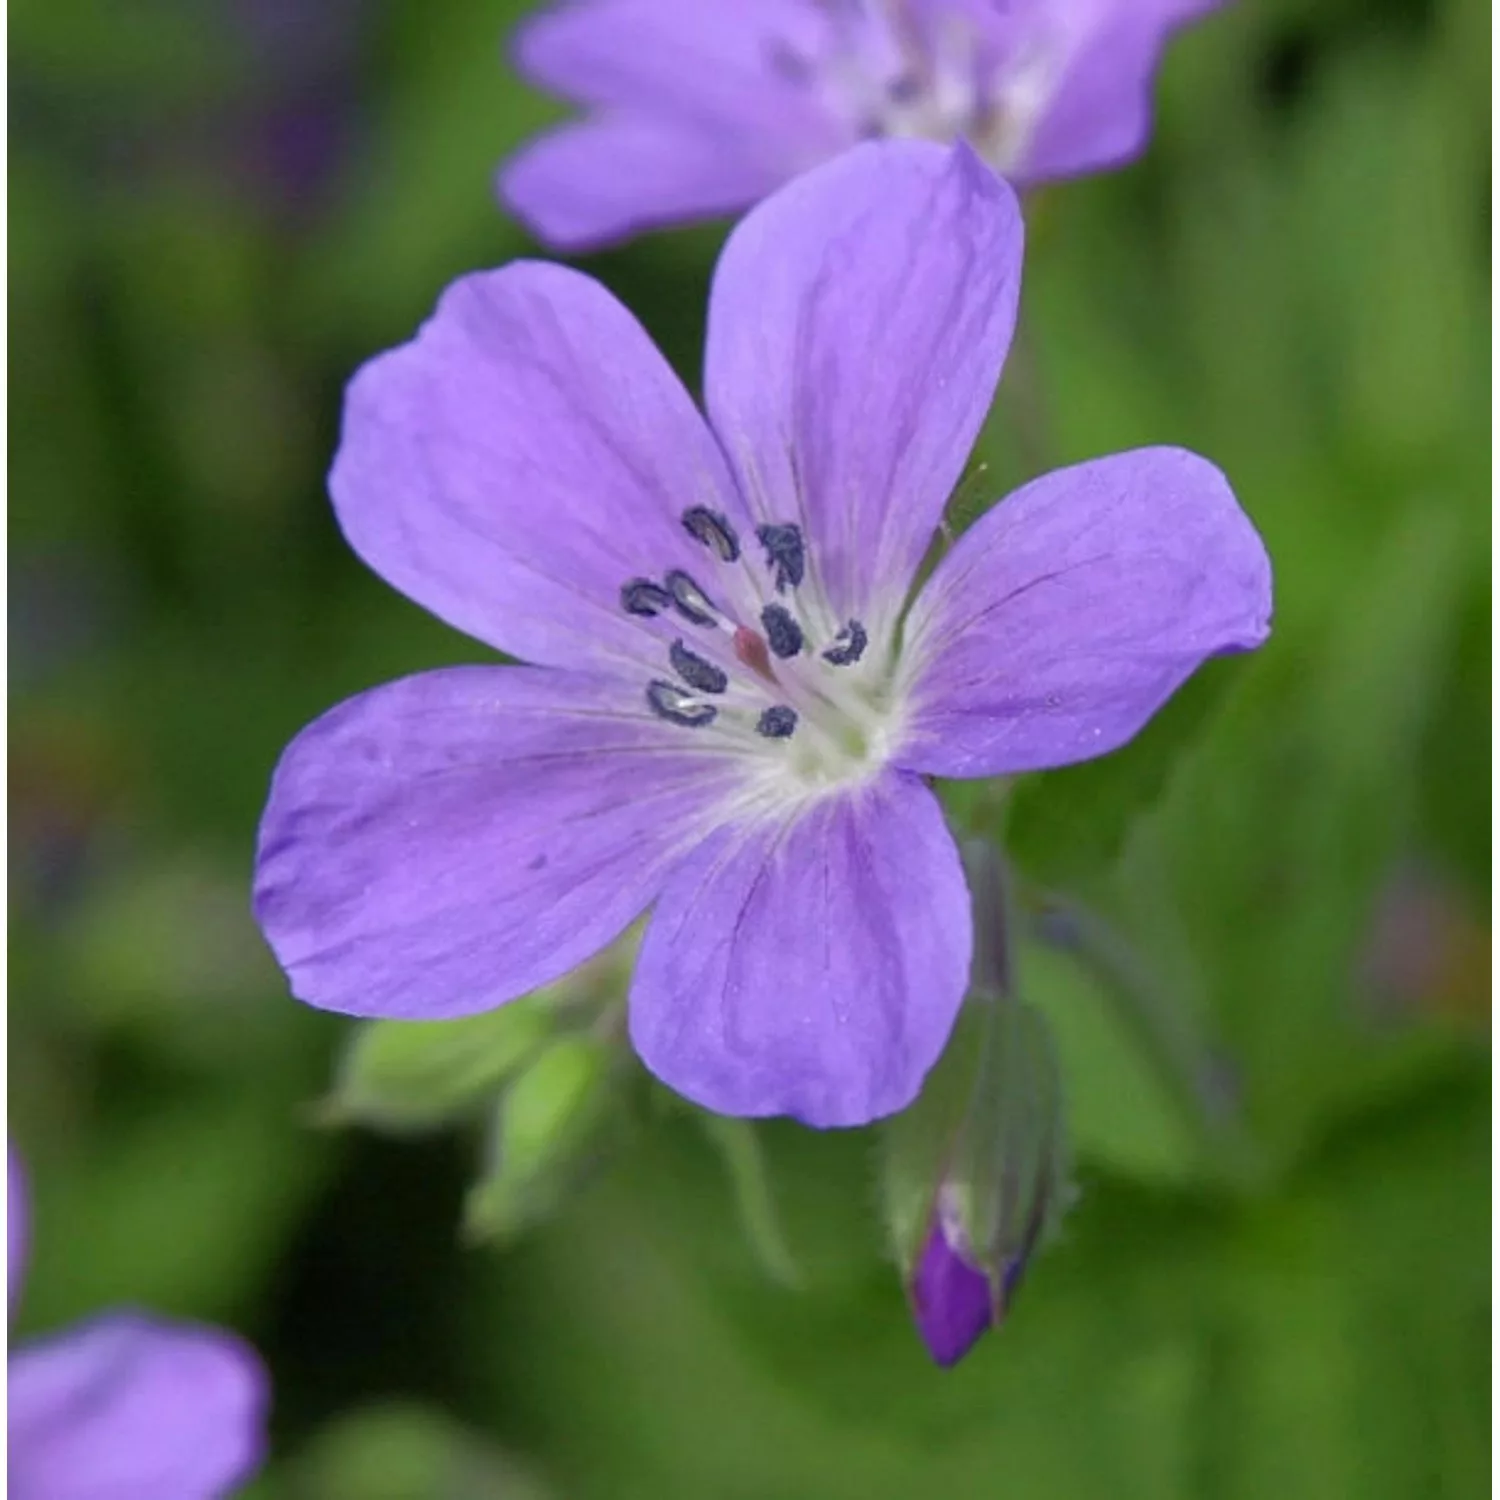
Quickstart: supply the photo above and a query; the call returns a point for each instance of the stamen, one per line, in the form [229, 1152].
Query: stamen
[782, 631]
[848, 645]
[670, 702]
[777, 722]
[713, 530]
[643, 597]
[784, 553]
[692, 603]
[697, 672]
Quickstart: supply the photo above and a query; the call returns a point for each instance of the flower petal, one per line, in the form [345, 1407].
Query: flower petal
[131, 1408]
[858, 322]
[523, 457]
[1099, 114]
[701, 63]
[447, 842]
[812, 968]
[701, 111]
[1069, 614]
[598, 181]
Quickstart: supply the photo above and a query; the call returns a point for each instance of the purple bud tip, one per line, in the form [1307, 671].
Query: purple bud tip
[950, 1301]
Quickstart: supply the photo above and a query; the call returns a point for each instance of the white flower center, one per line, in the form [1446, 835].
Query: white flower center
[888, 72]
[756, 664]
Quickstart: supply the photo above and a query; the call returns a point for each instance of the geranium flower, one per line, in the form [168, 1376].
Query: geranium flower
[697, 108]
[128, 1405]
[735, 701]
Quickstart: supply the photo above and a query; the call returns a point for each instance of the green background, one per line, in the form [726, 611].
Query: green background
[1293, 281]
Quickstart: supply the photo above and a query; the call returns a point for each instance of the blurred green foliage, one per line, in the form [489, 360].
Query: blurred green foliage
[218, 210]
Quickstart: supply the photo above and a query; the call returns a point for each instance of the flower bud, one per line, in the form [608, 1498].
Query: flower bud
[976, 1171]
[547, 1130]
[400, 1076]
[415, 1075]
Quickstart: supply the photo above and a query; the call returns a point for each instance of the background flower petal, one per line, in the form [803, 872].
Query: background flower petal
[1099, 114]
[525, 455]
[812, 968]
[720, 69]
[1066, 616]
[587, 184]
[447, 842]
[857, 325]
[132, 1408]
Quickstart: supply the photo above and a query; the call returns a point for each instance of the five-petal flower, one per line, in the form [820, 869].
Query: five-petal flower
[734, 703]
[697, 108]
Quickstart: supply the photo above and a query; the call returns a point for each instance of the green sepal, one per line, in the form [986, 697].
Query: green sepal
[417, 1075]
[1009, 1182]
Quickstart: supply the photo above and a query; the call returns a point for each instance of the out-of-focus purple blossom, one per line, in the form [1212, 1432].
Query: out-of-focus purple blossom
[301, 111]
[696, 108]
[273, 127]
[127, 1406]
[1425, 955]
[736, 702]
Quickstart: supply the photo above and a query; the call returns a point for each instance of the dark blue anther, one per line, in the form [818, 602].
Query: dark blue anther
[692, 603]
[642, 597]
[783, 633]
[671, 702]
[777, 722]
[713, 530]
[696, 672]
[784, 553]
[848, 645]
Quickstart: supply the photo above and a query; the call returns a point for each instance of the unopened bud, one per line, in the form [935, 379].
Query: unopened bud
[547, 1130]
[976, 1170]
[416, 1075]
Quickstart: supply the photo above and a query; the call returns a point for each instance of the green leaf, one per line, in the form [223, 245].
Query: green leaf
[1255, 880]
[1121, 1112]
[402, 1451]
[1064, 826]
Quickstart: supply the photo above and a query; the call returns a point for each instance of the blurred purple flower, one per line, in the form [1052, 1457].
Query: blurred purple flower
[1425, 953]
[696, 108]
[302, 110]
[128, 1407]
[735, 705]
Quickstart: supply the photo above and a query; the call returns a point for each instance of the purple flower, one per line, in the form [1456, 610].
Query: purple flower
[696, 108]
[735, 703]
[128, 1407]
